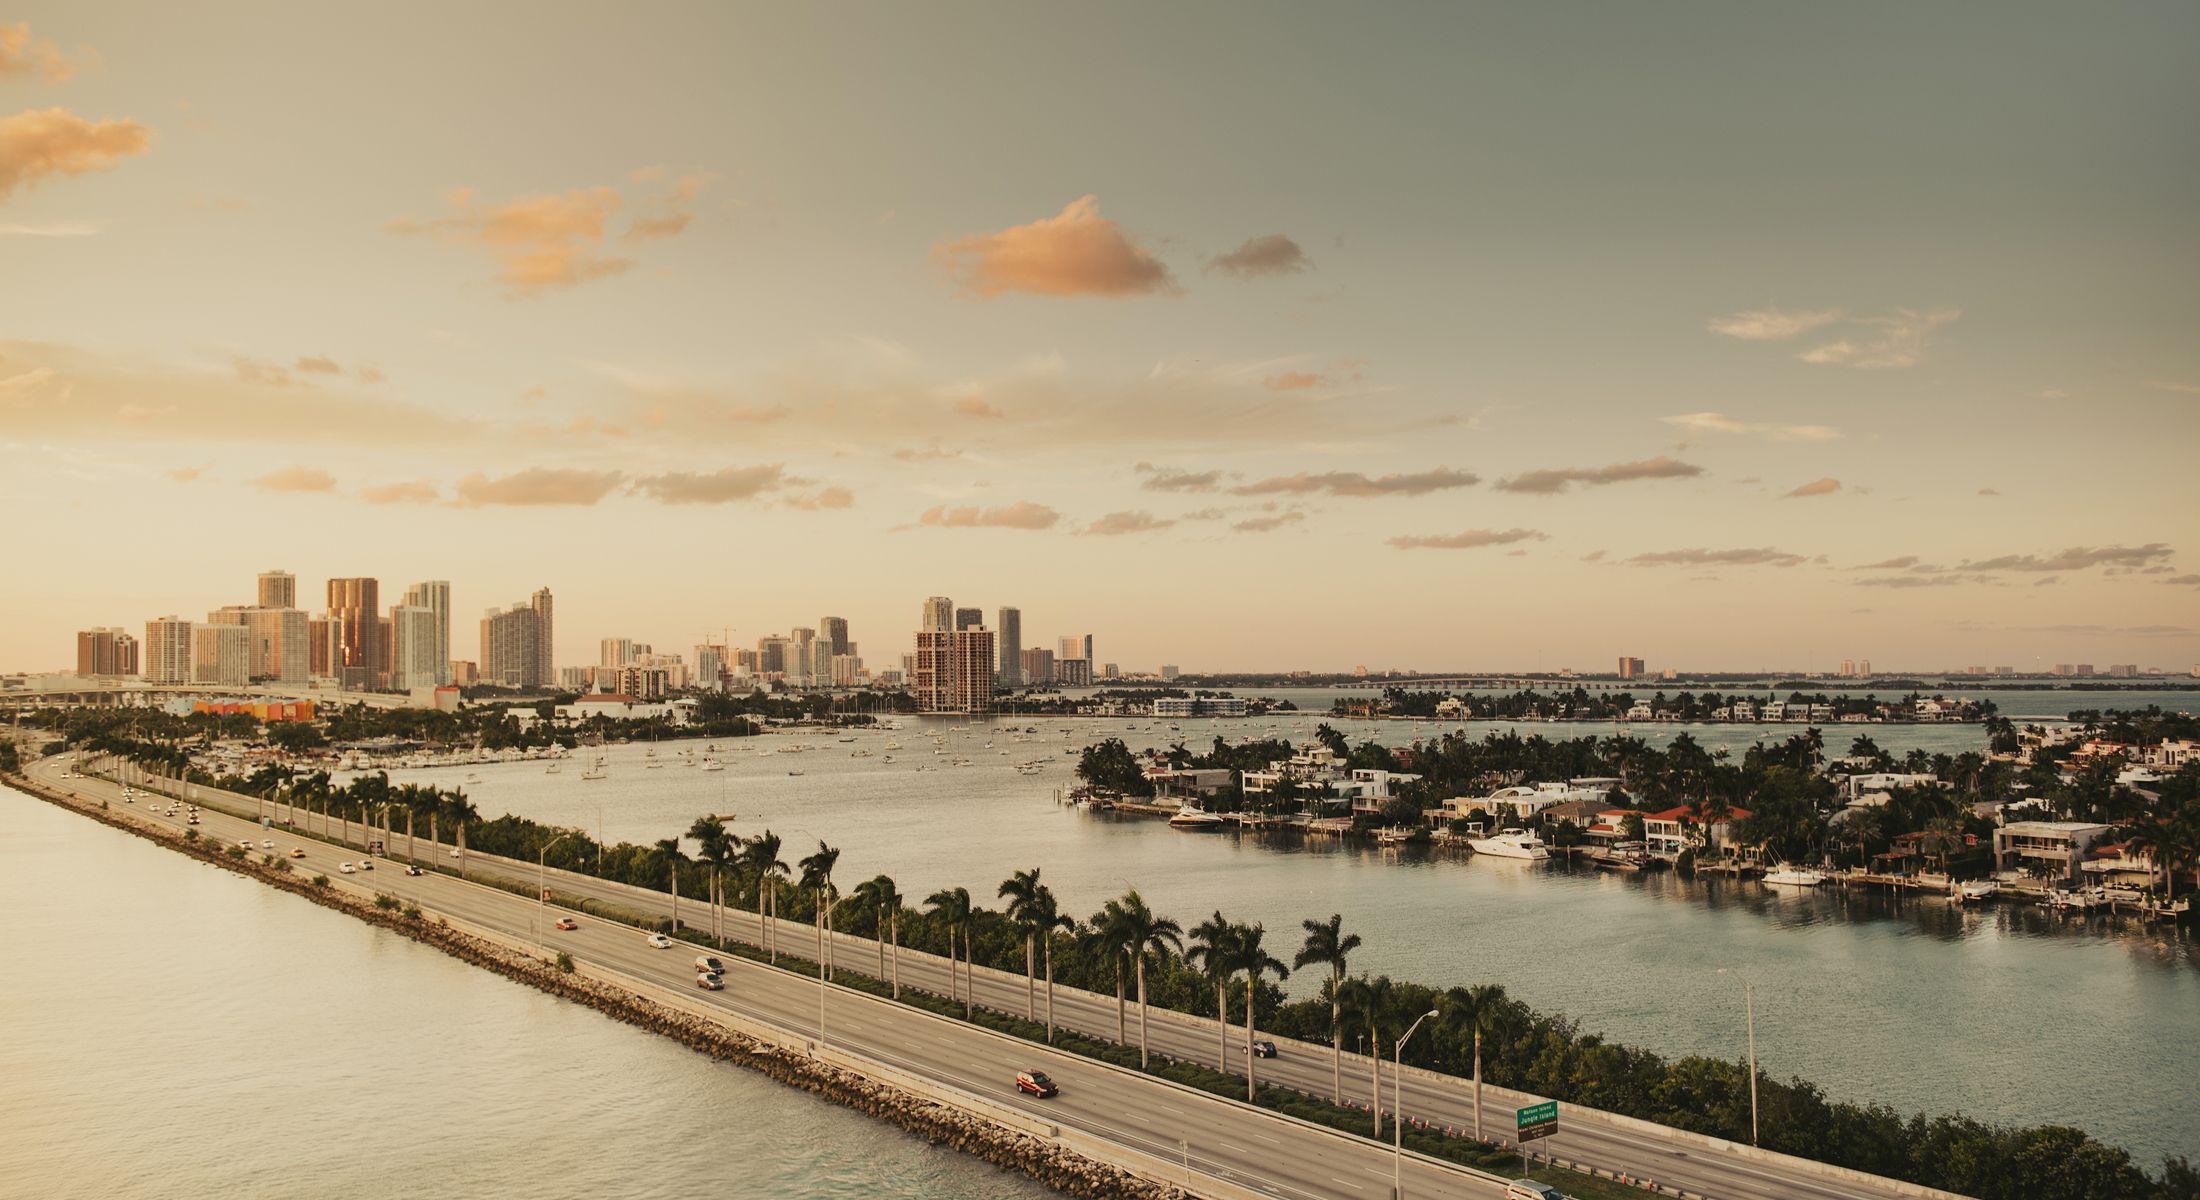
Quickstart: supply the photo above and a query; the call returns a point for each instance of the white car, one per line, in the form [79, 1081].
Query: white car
[267, 843]
[348, 869]
[244, 843]
[659, 941]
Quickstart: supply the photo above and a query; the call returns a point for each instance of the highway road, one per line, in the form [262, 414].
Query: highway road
[1255, 1152]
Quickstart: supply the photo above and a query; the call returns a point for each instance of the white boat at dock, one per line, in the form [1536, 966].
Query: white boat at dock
[1977, 890]
[1787, 875]
[1511, 843]
[1188, 817]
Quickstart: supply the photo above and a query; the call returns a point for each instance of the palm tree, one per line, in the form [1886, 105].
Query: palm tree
[1145, 933]
[884, 899]
[817, 875]
[714, 847]
[1214, 952]
[761, 853]
[1255, 961]
[462, 811]
[1107, 938]
[1474, 1011]
[952, 905]
[1367, 998]
[1327, 944]
[670, 848]
[1023, 890]
[1049, 918]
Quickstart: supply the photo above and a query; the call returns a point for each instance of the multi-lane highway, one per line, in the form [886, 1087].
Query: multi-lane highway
[1228, 1140]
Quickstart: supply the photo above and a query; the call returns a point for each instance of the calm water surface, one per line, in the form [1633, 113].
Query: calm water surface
[172, 1030]
[2006, 1013]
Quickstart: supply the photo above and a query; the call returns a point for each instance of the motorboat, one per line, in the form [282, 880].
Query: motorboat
[1976, 890]
[1511, 843]
[1794, 876]
[1189, 817]
[712, 764]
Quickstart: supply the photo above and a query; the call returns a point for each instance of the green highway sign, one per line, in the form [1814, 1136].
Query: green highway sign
[1537, 1120]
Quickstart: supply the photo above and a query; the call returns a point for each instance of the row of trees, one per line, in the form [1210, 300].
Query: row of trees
[1581, 704]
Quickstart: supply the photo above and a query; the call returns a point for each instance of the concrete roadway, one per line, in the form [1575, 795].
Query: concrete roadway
[1586, 1135]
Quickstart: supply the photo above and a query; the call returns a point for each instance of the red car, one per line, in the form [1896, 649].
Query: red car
[1037, 1083]
[567, 923]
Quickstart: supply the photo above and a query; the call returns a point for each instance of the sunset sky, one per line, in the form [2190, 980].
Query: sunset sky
[1240, 336]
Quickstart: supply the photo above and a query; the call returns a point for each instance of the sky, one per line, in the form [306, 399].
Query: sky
[1243, 337]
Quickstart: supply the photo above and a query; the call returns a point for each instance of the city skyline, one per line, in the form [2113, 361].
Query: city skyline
[1481, 366]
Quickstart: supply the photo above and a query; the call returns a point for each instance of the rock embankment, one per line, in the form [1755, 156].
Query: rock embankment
[940, 1124]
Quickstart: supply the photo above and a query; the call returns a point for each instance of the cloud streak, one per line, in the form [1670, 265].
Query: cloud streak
[1116, 524]
[23, 56]
[1471, 539]
[1023, 514]
[1755, 556]
[296, 479]
[1077, 252]
[1554, 481]
[716, 487]
[1262, 257]
[1816, 487]
[37, 145]
[538, 487]
[1772, 324]
[1713, 422]
[1353, 483]
[543, 243]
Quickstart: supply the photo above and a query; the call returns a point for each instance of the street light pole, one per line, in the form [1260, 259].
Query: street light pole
[1397, 1111]
[1749, 1022]
[542, 885]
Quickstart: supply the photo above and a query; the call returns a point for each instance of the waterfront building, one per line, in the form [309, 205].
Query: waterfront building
[221, 654]
[1074, 646]
[106, 653]
[354, 606]
[1194, 706]
[435, 596]
[1676, 829]
[973, 660]
[464, 672]
[278, 589]
[847, 670]
[1037, 665]
[515, 644]
[2057, 847]
[1630, 668]
[1168, 672]
[710, 666]
[1010, 626]
[278, 651]
[167, 650]
[1073, 672]
[642, 683]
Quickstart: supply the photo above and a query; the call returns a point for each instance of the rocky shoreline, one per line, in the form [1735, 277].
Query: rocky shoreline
[939, 1124]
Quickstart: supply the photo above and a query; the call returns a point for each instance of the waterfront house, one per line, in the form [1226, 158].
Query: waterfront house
[1188, 783]
[1609, 824]
[1680, 828]
[2056, 847]
[1875, 789]
[2119, 865]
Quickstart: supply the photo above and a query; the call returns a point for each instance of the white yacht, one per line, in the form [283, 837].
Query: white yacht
[1188, 817]
[1511, 843]
[1794, 876]
[712, 764]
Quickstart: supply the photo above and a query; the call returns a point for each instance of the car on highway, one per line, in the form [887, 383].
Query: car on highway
[1529, 1189]
[244, 843]
[453, 853]
[710, 966]
[658, 941]
[267, 843]
[1264, 1049]
[414, 869]
[1036, 1083]
[710, 981]
[192, 821]
[297, 851]
[347, 868]
[366, 864]
[567, 923]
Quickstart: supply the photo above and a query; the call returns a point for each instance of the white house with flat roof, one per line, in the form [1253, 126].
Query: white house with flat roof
[2058, 846]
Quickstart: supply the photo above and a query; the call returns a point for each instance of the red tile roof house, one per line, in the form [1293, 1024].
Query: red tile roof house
[1683, 827]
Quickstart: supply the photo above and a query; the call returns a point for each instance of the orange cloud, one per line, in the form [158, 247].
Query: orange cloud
[1293, 381]
[537, 486]
[34, 145]
[538, 242]
[296, 479]
[1138, 521]
[410, 492]
[25, 57]
[830, 497]
[1021, 515]
[185, 474]
[1817, 487]
[973, 406]
[1076, 253]
[718, 487]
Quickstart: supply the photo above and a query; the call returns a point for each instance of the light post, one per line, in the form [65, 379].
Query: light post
[542, 885]
[1397, 1111]
[1749, 1020]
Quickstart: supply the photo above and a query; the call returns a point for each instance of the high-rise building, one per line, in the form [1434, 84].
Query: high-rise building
[969, 618]
[711, 665]
[277, 649]
[835, 632]
[513, 645]
[931, 668]
[772, 654]
[435, 596]
[106, 653]
[1630, 668]
[1010, 627]
[1169, 671]
[1074, 646]
[354, 605]
[414, 662]
[801, 656]
[1037, 665]
[1073, 672]
[938, 616]
[615, 653]
[221, 655]
[847, 670]
[1848, 668]
[973, 662]
[278, 589]
[545, 633]
[1111, 671]
[1864, 668]
[324, 649]
[167, 650]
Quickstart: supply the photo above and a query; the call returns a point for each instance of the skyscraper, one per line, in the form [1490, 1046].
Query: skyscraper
[277, 649]
[931, 668]
[278, 589]
[545, 633]
[969, 618]
[512, 645]
[939, 615]
[1038, 665]
[835, 631]
[414, 662]
[615, 653]
[167, 650]
[106, 653]
[435, 596]
[972, 670]
[221, 654]
[1075, 646]
[1630, 668]
[1010, 627]
[354, 604]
